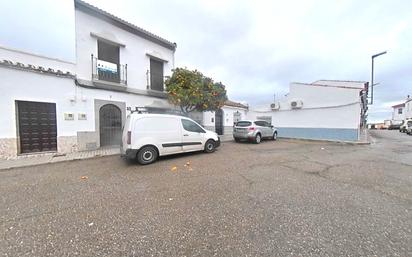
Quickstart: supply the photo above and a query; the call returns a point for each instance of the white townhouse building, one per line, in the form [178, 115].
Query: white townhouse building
[51, 105]
[54, 105]
[323, 110]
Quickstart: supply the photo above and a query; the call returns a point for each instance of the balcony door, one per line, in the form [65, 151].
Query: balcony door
[156, 75]
[108, 63]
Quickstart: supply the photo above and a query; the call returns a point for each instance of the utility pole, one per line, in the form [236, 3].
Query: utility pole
[372, 73]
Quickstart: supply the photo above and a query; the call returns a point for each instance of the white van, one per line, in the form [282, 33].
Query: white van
[147, 136]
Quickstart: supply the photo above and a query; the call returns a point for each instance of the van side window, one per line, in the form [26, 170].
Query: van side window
[191, 126]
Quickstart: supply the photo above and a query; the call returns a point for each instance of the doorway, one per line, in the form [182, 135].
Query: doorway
[219, 122]
[37, 126]
[110, 121]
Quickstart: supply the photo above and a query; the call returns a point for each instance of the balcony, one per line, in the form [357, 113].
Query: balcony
[103, 71]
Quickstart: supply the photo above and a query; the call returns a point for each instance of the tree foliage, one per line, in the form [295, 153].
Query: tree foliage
[191, 90]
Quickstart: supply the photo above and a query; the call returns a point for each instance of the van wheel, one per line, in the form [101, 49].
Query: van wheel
[147, 155]
[258, 138]
[275, 136]
[210, 146]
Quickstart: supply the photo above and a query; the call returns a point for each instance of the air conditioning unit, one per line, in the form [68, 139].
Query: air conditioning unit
[296, 104]
[274, 106]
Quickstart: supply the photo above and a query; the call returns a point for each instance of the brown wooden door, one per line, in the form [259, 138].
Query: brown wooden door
[37, 126]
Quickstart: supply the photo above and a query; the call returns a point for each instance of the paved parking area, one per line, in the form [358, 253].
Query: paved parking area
[284, 198]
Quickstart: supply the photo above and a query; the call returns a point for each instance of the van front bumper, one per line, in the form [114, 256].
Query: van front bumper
[217, 144]
[129, 154]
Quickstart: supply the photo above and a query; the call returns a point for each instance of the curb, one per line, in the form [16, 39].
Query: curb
[327, 141]
[10, 167]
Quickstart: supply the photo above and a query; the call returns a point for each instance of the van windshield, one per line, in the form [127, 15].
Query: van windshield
[243, 123]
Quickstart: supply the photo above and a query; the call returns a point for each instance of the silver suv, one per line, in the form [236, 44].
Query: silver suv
[254, 131]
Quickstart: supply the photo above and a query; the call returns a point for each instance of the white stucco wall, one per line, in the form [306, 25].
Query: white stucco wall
[29, 86]
[323, 107]
[133, 54]
[395, 113]
[343, 117]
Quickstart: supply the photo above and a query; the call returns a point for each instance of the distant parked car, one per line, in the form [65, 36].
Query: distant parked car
[254, 131]
[147, 136]
[394, 126]
[409, 127]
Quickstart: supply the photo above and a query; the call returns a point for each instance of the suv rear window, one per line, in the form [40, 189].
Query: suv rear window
[243, 123]
[261, 123]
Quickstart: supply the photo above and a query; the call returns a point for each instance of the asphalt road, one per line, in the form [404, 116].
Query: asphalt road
[284, 198]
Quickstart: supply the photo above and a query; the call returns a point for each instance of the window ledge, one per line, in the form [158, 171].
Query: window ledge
[109, 84]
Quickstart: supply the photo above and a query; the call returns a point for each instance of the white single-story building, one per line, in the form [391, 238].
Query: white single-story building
[398, 112]
[222, 121]
[324, 110]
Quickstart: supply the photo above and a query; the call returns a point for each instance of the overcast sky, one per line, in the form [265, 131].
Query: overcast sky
[256, 48]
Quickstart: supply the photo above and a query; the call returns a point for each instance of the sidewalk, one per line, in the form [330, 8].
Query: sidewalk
[364, 137]
[36, 159]
[44, 158]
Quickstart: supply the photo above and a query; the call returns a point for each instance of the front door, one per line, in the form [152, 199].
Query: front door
[219, 122]
[110, 125]
[37, 126]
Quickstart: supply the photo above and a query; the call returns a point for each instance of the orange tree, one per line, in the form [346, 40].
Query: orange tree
[191, 90]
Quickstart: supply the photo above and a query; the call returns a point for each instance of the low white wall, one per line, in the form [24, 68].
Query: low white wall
[340, 117]
[228, 112]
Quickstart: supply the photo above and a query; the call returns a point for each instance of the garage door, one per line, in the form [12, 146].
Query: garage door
[37, 126]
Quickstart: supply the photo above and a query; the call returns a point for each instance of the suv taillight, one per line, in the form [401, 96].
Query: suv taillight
[251, 128]
[129, 137]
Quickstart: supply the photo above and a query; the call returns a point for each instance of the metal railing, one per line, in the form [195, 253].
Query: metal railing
[107, 71]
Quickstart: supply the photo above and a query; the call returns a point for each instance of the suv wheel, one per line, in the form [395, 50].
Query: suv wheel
[275, 136]
[147, 155]
[258, 138]
[210, 146]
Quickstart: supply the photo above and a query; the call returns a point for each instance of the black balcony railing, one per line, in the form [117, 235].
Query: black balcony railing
[107, 71]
